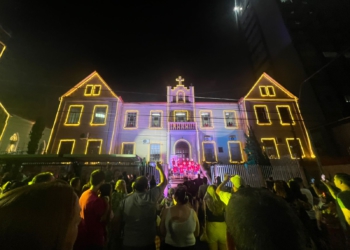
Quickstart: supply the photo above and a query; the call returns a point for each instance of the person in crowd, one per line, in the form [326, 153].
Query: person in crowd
[86, 187]
[197, 183]
[168, 201]
[52, 225]
[105, 194]
[179, 224]
[10, 185]
[127, 182]
[329, 224]
[42, 177]
[203, 188]
[282, 190]
[267, 220]
[311, 224]
[138, 214]
[342, 182]
[118, 195]
[92, 229]
[152, 182]
[236, 184]
[76, 185]
[215, 225]
[191, 189]
[218, 180]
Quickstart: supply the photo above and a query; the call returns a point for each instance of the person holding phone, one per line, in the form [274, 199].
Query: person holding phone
[236, 184]
[342, 183]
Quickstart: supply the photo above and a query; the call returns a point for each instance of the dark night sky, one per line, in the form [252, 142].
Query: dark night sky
[136, 46]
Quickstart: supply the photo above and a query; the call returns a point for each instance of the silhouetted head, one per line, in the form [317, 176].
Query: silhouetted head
[41, 216]
[141, 184]
[268, 222]
[97, 177]
[180, 196]
[205, 180]
[75, 183]
[106, 189]
[42, 177]
[342, 181]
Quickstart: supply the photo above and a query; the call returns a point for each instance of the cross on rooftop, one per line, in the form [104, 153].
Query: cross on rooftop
[180, 80]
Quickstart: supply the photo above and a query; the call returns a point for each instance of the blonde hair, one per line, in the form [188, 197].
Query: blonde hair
[119, 187]
[280, 189]
[215, 205]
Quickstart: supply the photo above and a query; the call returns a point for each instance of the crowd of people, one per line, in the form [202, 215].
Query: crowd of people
[132, 213]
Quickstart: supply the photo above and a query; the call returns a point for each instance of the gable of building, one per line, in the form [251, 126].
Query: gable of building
[4, 116]
[266, 88]
[91, 87]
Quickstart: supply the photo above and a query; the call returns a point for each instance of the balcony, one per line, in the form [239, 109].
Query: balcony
[182, 126]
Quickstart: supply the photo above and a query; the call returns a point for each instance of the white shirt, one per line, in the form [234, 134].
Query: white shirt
[310, 199]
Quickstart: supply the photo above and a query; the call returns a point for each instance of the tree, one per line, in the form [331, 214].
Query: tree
[35, 135]
[255, 154]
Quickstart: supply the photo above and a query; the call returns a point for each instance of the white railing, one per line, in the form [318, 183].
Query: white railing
[182, 126]
[255, 175]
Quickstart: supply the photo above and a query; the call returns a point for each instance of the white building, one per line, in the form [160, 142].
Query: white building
[92, 119]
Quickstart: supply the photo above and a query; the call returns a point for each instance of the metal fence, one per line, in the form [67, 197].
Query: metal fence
[255, 175]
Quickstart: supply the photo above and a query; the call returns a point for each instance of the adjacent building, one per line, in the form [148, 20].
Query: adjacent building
[305, 45]
[14, 134]
[93, 119]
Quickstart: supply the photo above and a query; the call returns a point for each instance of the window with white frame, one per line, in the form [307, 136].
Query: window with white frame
[235, 151]
[156, 119]
[74, 114]
[206, 119]
[180, 97]
[131, 120]
[154, 154]
[180, 116]
[285, 114]
[209, 152]
[270, 148]
[262, 115]
[94, 147]
[128, 148]
[100, 115]
[230, 119]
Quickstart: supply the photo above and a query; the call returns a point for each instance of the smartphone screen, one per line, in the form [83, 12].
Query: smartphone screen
[313, 180]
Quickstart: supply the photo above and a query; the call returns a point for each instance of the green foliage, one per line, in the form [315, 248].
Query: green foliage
[35, 135]
[255, 154]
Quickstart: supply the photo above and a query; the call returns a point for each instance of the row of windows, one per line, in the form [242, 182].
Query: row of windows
[94, 146]
[154, 150]
[263, 117]
[181, 116]
[66, 146]
[99, 115]
[92, 90]
[294, 146]
[267, 91]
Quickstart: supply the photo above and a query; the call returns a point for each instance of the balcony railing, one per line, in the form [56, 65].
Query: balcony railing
[182, 126]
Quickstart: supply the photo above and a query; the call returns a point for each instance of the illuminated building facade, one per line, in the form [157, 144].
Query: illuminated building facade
[14, 134]
[92, 119]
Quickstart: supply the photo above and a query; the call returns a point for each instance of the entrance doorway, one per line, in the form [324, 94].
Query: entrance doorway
[182, 150]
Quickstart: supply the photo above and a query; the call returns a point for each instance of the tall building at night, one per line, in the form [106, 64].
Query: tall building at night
[93, 119]
[305, 45]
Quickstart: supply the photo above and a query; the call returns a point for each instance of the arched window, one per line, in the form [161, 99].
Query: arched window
[180, 96]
